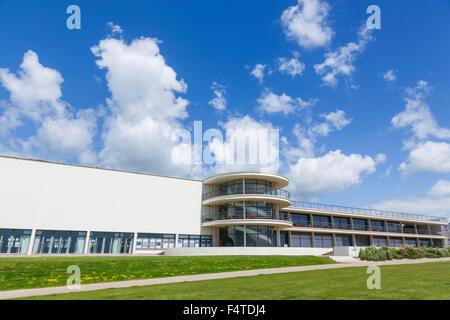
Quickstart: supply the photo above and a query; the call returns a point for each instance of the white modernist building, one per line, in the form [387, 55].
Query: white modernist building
[55, 208]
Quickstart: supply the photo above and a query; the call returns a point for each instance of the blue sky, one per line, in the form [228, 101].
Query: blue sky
[85, 98]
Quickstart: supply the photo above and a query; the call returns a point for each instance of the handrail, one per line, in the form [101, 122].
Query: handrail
[365, 211]
[217, 193]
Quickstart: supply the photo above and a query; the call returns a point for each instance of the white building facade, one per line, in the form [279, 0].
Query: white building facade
[55, 208]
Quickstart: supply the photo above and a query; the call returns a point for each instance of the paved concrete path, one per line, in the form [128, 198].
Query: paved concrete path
[10, 294]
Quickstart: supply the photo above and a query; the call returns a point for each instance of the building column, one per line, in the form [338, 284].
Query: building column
[431, 242]
[388, 239]
[429, 229]
[31, 243]
[371, 240]
[243, 185]
[418, 242]
[86, 244]
[403, 241]
[369, 224]
[354, 239]
[311, 220]
[332, 222]
[243, 208]
[313, 242]
[334, 239]
[351, 223]
[290, 241]
[415, 228]
[133, 250]
[278, 237]
[386, 226]
[245, 235]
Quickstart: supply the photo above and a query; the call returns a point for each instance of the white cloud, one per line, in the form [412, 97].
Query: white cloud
[311, 177]
[424, 154]
[261, 152]
[340, 61]
[436, 203]
[35, 94]
[428, 156]
[258, 72]
[306, 23]
[271, 103]
[293, 66]
[389, 76]
[145, 111]
[36, 91]
[115, 28]
[333, 121]
[440, 190]
[417, 114]
[219, 101]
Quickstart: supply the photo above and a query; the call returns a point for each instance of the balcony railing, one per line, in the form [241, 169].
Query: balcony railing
[251, 216]
[320, 225]
[273, 192]
[367, 212]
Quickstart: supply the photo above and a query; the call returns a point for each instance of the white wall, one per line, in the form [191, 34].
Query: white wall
[40, 195]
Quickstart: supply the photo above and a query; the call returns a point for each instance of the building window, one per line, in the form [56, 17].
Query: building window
[301, 239]
[253, 186]
[360, 224]
[323, 241]
[343, 241]
[394, 227]
[342, 223]
[396, 242]
[110, 242]
[232, 210]
[155, 241]
[377, 225]
[321, 222]
[379, 241]
[362, 241]
[59, 242]
[231, 187]
[425, 242]
[260, 236]
[284, 238]
[300, 220]
[258, 209]
[411, 242]
[194, 241]
[14, 241]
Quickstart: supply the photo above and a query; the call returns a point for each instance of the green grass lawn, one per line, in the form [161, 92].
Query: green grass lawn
[413, 281]
[23, 273]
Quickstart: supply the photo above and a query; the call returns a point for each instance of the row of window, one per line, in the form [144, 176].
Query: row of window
[301, 239]
[14, 241]
[252, 186]
[320, 221]
[252, 209]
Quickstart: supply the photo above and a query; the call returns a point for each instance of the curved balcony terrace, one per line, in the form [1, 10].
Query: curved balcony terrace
[279, 196]
[270, 220]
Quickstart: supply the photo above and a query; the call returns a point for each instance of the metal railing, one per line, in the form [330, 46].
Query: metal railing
[367, 212]
[251, 216]
[217, 193]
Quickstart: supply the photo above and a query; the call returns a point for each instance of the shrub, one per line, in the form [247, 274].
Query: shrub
[444, 252]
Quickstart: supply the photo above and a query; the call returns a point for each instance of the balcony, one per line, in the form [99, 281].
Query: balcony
[321, 225]
[368, 212]
[240, 191]
[217, 197]
[223, 220]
